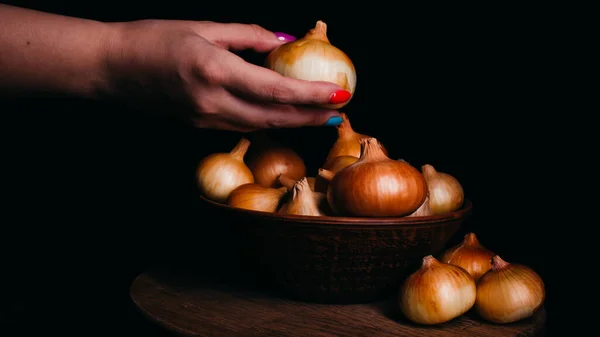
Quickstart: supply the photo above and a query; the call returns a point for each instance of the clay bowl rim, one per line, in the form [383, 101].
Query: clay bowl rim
[462, 213]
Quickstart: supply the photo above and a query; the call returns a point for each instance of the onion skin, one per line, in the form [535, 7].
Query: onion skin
[446, 194]
[327, 176]
[335, 165]
[314, 58]
[303, 201]
[220, 173]
[436, 293]
[509, 292]
[288, 182]
[423, 210]
[320, 198]
[268, 159]
[377, 186]
[311, 182]
[256, 197]
[470, 255]
[347, 142]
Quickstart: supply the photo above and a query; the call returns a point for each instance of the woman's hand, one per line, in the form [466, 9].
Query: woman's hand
[187, 66]
[181, 66]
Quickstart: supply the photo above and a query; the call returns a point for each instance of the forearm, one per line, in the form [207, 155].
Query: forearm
[42, 52]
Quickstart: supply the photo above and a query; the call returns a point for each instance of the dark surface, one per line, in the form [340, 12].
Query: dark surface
[95, 193]
[192, 306]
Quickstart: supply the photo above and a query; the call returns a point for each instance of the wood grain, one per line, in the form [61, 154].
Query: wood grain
[191, 306]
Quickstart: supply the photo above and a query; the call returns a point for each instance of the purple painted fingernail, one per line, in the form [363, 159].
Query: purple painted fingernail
[285, 37]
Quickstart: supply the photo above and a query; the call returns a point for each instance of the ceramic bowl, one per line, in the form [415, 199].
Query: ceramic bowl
[329, 259]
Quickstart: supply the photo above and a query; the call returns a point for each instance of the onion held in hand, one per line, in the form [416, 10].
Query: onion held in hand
[220, 173]
[314, 58]
[377, 186]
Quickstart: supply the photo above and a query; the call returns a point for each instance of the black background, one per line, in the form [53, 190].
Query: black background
[95, 193]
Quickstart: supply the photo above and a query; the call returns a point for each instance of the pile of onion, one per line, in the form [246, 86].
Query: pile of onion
[440, 291]
[260, 176]
[356, 177]
[470, 276]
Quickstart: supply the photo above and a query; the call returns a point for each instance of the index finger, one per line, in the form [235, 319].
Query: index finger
[239, 36]
[269, 86]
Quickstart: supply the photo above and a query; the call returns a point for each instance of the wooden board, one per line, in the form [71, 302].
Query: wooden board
[192, 307]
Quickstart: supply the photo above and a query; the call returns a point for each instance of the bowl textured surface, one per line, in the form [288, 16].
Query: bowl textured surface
[330, 259]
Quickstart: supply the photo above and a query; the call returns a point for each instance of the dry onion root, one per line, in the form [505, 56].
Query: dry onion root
[311, 182]
[302, 200]
[288, 182]
[320, 198]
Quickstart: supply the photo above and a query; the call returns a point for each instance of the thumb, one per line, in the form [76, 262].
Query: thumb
[238, 36]
[293, 117]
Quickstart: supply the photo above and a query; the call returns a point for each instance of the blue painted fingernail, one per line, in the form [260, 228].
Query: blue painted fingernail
[284, 37]
[334, 121]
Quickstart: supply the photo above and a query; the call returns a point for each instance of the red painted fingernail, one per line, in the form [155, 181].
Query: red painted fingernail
[339, 96]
